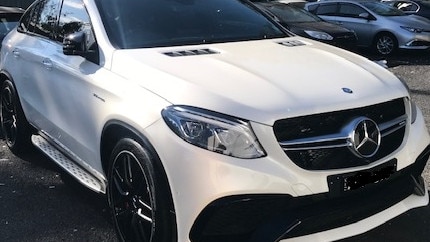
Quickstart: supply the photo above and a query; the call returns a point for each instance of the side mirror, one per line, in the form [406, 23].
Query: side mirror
[75, 44]
[364, 15]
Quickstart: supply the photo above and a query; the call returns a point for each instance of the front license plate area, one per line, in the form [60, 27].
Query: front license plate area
[356, 180]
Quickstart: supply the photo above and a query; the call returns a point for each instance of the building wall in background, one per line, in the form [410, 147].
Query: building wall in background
[16, 3]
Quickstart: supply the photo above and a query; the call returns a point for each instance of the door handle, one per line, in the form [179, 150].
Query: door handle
[47, 63]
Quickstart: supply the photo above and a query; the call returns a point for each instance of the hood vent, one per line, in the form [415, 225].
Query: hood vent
[292, 43]
[190, 52]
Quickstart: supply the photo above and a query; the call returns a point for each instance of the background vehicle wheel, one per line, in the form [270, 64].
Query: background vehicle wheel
[15, 127]
[139, 196]
[385, 44]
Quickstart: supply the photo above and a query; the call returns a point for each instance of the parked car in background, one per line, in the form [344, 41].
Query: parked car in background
[418, 7]
[306, 24]
[377, 25]
[9, 18]
[209, 121]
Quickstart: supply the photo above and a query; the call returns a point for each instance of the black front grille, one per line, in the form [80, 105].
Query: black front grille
[308, 127]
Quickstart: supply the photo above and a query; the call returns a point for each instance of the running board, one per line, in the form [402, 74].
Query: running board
[68, 165]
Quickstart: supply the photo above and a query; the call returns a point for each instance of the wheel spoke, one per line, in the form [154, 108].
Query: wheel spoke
[131, 198]
[119, 182]
[127, 168]
[6, 99]
[139, 231]
[144, 211]
[10, 128]
[123, 219]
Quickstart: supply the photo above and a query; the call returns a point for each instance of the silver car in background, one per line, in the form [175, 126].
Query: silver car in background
[377, 25]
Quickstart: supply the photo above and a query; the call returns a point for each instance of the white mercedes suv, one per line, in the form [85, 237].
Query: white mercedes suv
[205, 120]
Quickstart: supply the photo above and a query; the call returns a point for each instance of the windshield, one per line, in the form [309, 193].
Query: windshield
[8, 22]
[289, 14]
[149, 23]
[383, 9]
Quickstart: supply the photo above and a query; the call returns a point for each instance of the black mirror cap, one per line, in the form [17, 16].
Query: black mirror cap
[75, 44]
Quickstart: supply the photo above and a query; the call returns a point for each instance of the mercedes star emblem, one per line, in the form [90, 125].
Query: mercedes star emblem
[365, 137]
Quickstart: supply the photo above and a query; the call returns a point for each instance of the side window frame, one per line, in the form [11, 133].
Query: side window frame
[24, 25]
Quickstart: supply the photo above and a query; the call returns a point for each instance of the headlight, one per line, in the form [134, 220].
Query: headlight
[212, 131]
[412, 29]
[413, 105]
[319, 35]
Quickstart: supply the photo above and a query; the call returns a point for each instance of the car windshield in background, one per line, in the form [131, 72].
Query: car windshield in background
[425, 3]
[290, 14]
[383, 9]
[146, 23]
[8, 22]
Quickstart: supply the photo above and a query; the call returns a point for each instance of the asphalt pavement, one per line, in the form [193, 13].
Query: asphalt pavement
[38, 202]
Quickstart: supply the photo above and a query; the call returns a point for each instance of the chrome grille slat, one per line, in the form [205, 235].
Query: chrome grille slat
[388, 128]
[341, 139]
[324, 141]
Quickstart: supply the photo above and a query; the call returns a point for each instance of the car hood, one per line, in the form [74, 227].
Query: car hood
[412, 21]
[319, 26]
[261, 81]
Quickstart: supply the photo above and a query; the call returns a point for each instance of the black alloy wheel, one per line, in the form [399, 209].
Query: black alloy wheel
[139, 200]
[15, 127]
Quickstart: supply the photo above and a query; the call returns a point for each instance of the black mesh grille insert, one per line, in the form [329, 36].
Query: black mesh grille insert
[329, 123]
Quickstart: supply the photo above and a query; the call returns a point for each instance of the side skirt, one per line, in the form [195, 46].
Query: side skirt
[83, 176]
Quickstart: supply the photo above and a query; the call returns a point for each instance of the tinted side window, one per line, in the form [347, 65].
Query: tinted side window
[350, 10]
[74, 18]
[44, 17]
[327, 9]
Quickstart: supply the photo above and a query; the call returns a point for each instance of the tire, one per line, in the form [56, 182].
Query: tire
[139, 196]
[15, 128]
[385, 44]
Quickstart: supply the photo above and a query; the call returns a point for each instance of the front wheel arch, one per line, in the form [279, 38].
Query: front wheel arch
[15, 127]
[116, 132]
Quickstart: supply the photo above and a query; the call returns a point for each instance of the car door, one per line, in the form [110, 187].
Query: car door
[31, 48]
[358, 19]
[69, 114]
[56, 89]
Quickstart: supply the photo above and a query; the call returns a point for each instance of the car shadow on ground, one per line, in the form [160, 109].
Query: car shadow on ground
[36, 159]
[401, 57]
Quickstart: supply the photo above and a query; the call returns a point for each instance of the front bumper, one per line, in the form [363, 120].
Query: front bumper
[217, 197]
[273, 217]
[419, 41]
